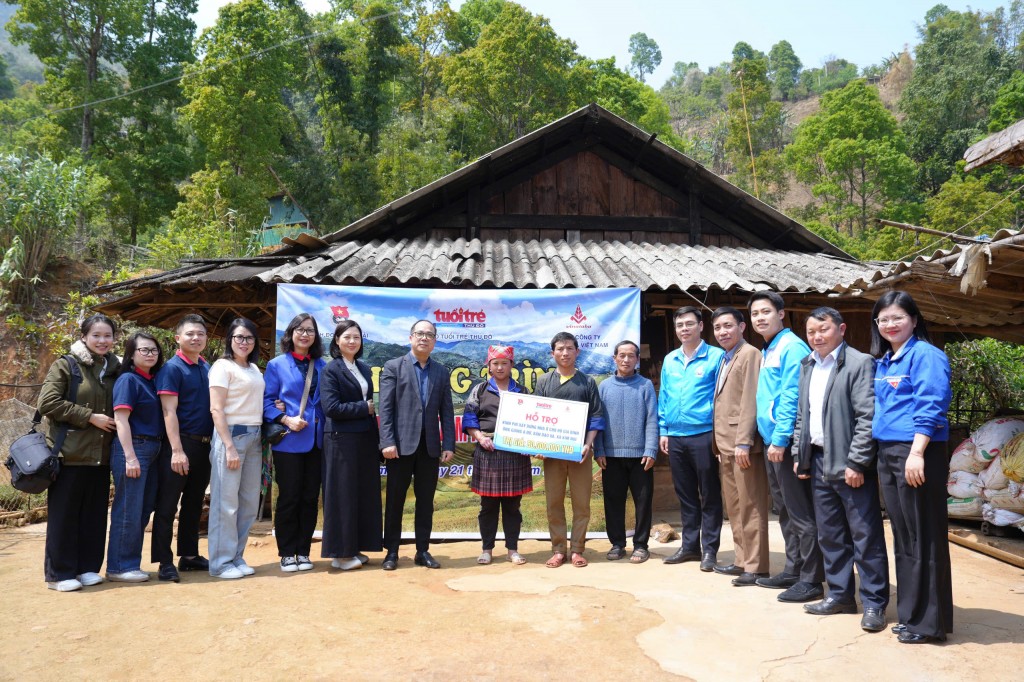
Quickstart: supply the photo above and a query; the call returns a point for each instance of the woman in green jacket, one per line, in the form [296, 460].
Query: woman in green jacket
[76, 526]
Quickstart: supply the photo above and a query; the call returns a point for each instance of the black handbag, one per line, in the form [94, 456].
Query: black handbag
[274, 432]
[33, 464]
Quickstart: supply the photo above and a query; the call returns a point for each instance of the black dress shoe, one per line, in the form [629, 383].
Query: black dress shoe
[708, 561]
[196, 563]
[748, 579]
[169, 572]
[779, 581]
[830, 607]
[898, 628]
[803, 592]
[390, 561]
[873, 620]
[908, 637]
[682, 556]
[424, 559]
[731, 569]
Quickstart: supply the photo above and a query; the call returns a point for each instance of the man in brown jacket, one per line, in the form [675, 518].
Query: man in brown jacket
[739, 449]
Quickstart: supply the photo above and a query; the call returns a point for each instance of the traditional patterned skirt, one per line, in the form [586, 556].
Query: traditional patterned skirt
[499, 473]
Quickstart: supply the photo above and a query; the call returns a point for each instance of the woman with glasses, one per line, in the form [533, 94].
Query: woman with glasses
[140, 434]
[912, 394]
[297, 459]
[352, 508]
[236, 453]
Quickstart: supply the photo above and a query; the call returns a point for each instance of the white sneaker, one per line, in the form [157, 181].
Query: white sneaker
[245, 568]
[304, 563]
[69, 585]
[90, 579]
[347, 564]
[288, 564]
[128, 577]
[230, 573]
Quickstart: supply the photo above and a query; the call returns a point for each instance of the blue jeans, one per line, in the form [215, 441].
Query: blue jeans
[234, 497]
[134, 500]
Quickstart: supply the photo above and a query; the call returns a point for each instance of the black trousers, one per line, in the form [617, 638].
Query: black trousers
[622, 475]
[191, 491]
[795, 502]
[421, 470]
[298, 477]
[511, 520]
[76, 524]
[699, 489]
[352, 507]
[850, 532]
[917, 516]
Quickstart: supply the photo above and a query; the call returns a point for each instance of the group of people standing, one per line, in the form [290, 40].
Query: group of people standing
[818, 432]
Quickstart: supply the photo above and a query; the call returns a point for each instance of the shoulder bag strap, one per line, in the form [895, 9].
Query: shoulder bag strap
[305, 389]
[72, 396]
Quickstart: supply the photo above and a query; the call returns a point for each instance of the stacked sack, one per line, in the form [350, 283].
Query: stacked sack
[986, 472]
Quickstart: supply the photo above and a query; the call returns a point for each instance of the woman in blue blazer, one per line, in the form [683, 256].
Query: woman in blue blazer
[352, 507]
[297, 458]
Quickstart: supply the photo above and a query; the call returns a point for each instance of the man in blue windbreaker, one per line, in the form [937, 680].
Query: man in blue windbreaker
[777, 391]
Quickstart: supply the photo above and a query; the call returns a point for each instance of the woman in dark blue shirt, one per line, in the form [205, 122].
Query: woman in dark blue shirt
[912, 394]
[133, 455]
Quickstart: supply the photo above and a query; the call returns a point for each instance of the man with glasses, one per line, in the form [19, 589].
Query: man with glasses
[415, 394]
[685, 403]
[777, 389]
[184, 468]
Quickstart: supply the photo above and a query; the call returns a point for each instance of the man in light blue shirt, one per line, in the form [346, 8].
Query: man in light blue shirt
[685, 422]
[777, 392]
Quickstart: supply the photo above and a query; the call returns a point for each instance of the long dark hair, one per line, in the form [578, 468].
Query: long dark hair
[228, 353]
[343, 327]
[130, 346]
[880, 346]
[288, 345]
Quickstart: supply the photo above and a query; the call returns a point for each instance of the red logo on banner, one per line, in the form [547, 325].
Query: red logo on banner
[339, 313]
[578, 317]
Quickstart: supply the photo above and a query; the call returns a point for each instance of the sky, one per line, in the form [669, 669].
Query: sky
[861, 31]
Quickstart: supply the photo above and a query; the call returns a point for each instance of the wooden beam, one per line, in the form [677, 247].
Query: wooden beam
[695, 219]
[522, 221]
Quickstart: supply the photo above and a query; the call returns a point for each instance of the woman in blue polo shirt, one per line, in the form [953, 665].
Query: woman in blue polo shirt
[297, 458]
[140, 429]
[912, 394]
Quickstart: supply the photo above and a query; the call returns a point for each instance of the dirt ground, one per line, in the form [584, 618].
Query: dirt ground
[609, 620]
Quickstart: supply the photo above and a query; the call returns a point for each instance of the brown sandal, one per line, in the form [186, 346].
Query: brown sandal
[556, 560]
[578, 560]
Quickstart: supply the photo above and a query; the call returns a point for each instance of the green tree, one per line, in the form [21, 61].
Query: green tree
[515, 79]
[471, 20]
[958, 70]
[853, 156]
[755, 127]
[645, 55]
[1009, 105]
[39, 201]
[783, 68]
[6, 85]
[965, 205]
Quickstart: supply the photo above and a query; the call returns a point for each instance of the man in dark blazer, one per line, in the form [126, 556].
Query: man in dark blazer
[739, 450]
[415, 395]
[833, 444]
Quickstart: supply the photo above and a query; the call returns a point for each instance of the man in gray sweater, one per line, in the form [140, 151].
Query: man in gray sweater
[626, 451]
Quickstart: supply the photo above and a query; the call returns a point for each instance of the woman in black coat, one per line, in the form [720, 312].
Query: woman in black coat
[352, 507]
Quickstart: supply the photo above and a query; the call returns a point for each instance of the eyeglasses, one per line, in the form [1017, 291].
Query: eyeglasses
[244, 339]
[304, 331]
[425, 335]
[686, 325]
[895, 319]
[147, 351]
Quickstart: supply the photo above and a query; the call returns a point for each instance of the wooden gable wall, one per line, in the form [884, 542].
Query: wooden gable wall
[584, 197]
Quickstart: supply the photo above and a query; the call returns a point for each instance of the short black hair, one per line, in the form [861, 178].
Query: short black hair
[727, 310]
[413, 327]
[128, 365]
[879, 345]
[825, 313]
[97, 318]
[562, 337]
[770, 296]
[248, 325]
[625, 342]
[191, 318]
[343, 327]
[687, 310]
[288, 345]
